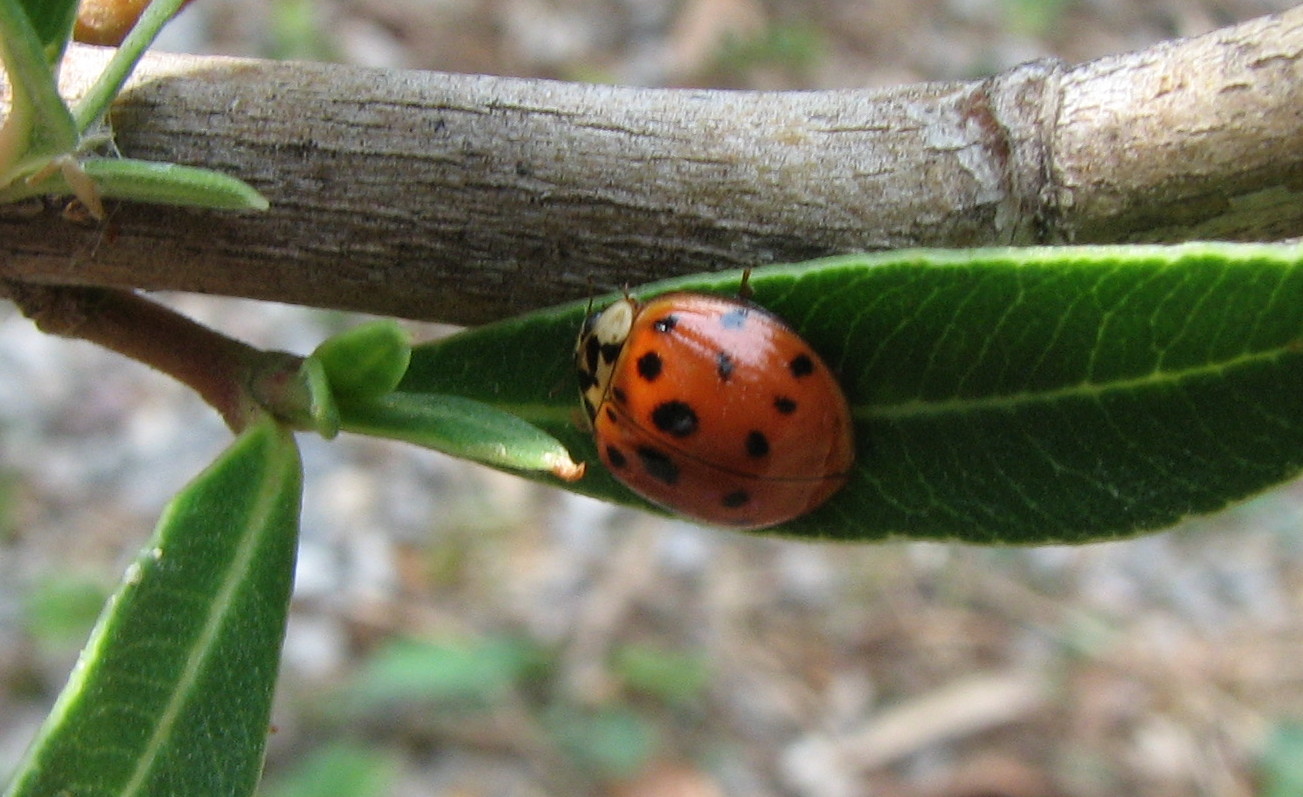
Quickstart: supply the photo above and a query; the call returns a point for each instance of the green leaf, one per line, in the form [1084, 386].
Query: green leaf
[322, 410]
[999, 396]
[609, 742]
[473, 673]
[60, 609]
[39, 126]
[339, 770]
[173, 690]
[1282, 761]
[52, 21]
[461, 428]
[172, 184]
[675, 677]
[95, 103]
[367, 361]
[146, 181]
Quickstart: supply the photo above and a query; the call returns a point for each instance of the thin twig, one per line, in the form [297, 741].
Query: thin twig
[236, 379]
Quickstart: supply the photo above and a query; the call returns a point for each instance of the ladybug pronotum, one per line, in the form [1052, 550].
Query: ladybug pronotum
[714, 408]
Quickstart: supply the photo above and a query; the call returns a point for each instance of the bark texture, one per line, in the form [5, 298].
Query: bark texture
[465, 198]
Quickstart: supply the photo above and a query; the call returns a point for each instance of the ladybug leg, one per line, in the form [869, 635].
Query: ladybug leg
[744, 291]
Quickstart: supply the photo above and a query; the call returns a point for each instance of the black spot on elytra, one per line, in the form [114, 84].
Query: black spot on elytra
[736, 499]
[674, 418]
[784, 405]
[658, 465]
[801, 365]
[757, 444]
[610, 415]
[649, 366]
[616, 457]
[619, 396]
[666, 324]
[735, 318]
[592, 350]
[610, 351]
[724, 365]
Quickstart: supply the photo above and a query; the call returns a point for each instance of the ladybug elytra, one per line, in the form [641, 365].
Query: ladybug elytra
[714, 408]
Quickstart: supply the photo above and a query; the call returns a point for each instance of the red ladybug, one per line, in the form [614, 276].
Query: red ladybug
[713, 407]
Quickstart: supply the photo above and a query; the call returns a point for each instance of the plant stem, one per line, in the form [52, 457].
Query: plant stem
[225, 372]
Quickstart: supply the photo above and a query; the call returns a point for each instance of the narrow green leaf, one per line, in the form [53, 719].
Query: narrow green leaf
[146, 181]
[172, 184]
[1282, 761]
[675, 677]
[52, 21]
[473, 673]
[339, 770]
[367, 361]
[321, 406]
[461, 428]
[610, 742]
[39, 126]
[173, 690]
[999, 396]
[61, 608]
[95, 103]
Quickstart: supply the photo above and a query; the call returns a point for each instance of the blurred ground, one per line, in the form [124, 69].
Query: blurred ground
[461, 632]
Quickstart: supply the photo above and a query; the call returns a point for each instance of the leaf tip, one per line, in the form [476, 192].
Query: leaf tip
[566, 469]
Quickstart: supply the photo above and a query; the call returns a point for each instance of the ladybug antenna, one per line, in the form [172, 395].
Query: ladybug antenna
[744, 290]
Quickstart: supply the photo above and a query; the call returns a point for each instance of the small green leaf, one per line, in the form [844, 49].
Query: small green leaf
[52, 21]
[145, 181]
[609, 742]
[39, 125]
[95, 103]
[1282, 761]
[60, 609]
[172, 184]
[322, 409]
[339, 770]
[674, 677]
[472, 673]
[461, 428]
[367, 361]
[173, 691]
[1000, 396]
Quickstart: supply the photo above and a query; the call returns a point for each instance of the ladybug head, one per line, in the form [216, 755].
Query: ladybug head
[601, 339]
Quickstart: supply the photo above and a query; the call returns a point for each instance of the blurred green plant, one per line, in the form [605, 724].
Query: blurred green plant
[340, 769]
[8, 498]
[793, 46]
[1033, 18]
[482, 677]
[60, 609]
[298, 32]
[673, 677]
[1281, 766]
[607, 743]
[467, 674]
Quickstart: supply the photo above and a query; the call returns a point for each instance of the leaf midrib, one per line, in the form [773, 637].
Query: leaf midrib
[555, 413]
[257, 519]
[1085, 389]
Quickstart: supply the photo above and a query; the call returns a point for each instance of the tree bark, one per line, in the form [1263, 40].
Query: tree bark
[466, 198]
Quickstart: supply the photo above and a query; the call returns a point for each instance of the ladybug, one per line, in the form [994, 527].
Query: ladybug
[713, 407]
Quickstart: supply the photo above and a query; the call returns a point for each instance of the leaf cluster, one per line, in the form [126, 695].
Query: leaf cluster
[49, 146]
